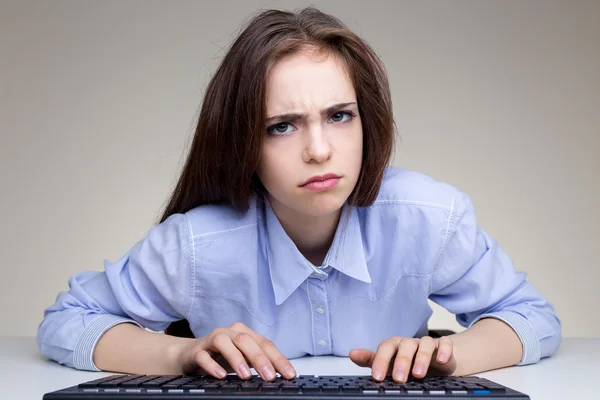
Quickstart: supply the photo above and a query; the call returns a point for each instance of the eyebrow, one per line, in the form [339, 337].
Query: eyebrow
[291, 117]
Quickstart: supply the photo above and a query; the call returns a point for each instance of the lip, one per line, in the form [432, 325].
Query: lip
[321, 182]
[318, 178]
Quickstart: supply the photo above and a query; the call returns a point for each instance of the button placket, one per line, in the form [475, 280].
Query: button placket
[318, 298]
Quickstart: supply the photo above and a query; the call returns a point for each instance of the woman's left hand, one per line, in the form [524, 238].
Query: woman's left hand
[395, 356]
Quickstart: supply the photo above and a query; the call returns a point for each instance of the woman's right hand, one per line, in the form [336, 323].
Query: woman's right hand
[234, 349]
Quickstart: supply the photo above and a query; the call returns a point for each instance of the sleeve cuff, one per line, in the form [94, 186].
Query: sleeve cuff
[83, 354]
[531, 344]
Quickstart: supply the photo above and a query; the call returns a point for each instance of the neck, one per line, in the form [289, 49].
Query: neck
[312, 235]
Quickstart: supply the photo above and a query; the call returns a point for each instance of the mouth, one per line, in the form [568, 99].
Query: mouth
[321, 182]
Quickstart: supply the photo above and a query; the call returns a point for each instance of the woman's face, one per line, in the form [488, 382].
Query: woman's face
[313, 129]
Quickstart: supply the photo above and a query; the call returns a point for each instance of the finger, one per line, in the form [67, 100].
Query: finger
[425, 352]
[223, 362]
[221, 342]
[381, 363]
[362, 357]
[445, 350]
[209, 365]
[281, 363]
[255, 354]
[404, 357]
[278, 360]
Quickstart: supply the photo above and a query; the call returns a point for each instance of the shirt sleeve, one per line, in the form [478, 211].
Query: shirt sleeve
[474, 279]
[149, 287]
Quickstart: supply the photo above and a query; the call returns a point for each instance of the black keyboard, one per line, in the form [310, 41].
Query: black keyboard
[137, 387]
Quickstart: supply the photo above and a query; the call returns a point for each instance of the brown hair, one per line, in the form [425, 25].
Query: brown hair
[225, 151]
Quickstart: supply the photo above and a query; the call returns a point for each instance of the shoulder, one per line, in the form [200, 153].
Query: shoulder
[211, 220]
[403, 187]
[411, 220]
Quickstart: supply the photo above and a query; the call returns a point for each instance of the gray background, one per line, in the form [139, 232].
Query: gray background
[98, 101]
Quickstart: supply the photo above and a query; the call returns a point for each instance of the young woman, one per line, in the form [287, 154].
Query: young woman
[288, 235]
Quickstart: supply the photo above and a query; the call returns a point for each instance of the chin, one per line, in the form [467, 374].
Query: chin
[311, 204]
[323, 205]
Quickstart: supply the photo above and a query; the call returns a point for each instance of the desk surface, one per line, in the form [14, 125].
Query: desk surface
[26, 374]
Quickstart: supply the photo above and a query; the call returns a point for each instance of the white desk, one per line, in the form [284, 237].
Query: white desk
[26, 374]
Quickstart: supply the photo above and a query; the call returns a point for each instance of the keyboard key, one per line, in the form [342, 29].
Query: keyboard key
[95, 382]
[117, 382]
[136, 382]
[494, 388]
[156, 382]
[394, 385]
[190, 386]
[229, 388]
[270, 387]
[178, 382]
[291, 388]
[471, 386]
[211, 387]
[351, 389]
[310, 388]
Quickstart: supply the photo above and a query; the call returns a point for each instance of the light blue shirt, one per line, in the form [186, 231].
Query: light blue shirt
[215, 266]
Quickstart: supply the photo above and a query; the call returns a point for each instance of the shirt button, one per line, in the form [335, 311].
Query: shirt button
[322, 342]
[320, 310]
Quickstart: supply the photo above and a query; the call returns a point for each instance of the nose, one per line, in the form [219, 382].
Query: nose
[317, 147]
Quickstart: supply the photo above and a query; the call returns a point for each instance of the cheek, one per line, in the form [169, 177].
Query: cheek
[351, 144]
[274, 164]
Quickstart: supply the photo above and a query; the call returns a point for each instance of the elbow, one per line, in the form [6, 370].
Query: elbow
[43, 331]
[42, 336]
[550, 343]
[51, 339]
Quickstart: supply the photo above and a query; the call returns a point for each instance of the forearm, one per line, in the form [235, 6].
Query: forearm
[488, 344]
[129, 349]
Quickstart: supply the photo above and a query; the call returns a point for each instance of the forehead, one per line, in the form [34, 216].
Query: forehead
[306, 80]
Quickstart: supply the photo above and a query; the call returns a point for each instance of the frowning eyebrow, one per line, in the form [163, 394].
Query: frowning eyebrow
[291, 117]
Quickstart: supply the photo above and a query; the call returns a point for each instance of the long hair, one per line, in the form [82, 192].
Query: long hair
[224, 154]
[225, 150]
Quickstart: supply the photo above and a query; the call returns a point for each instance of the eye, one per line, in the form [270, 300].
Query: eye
[280, 128]
[342, 116]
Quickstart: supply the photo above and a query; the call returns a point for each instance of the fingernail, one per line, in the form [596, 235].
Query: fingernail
[244, 371]
[419, 369]
[442, 357]
[290, 372]
[221, 373]
[268, 373]
[378, 374]
[398, 375]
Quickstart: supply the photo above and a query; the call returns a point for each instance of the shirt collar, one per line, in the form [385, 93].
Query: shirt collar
[288, 268]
